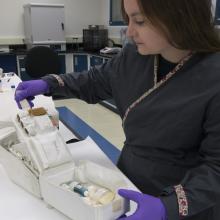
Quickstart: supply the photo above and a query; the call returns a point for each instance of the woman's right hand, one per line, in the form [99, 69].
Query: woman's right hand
[29, 89]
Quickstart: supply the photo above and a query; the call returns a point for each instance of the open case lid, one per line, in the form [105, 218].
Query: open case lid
[8, 135]
[43, 143]
[48, 150]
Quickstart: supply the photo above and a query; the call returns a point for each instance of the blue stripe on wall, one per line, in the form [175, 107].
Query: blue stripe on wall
[82, 130]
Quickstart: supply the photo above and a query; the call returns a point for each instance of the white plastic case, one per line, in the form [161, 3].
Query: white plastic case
[44, 182]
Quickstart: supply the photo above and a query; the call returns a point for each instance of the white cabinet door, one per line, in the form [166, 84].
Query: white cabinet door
[46, 23]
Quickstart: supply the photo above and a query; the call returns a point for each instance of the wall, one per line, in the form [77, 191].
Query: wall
[78, 15]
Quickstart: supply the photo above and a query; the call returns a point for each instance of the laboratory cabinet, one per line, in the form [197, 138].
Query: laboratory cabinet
[44, 24]
[8, 62]
[80, 62]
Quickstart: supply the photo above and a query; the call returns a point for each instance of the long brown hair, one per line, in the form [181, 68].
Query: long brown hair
[187, 24]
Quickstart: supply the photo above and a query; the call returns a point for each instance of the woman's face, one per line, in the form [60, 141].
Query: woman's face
[147, 38]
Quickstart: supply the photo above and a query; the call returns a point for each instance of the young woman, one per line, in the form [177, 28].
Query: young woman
[167, 89]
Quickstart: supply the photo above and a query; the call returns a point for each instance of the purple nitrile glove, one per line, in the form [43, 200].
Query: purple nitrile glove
[29, 89]
[148, 207]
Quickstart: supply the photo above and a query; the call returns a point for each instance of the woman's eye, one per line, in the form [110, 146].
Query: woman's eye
[140, 22]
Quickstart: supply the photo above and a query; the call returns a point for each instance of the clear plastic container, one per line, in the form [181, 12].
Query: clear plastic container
[54, 117]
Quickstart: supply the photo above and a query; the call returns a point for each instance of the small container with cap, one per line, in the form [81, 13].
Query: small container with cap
[54, 117]
[102, 196]
[80, 189]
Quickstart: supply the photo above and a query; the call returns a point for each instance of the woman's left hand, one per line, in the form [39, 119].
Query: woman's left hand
[148, 207]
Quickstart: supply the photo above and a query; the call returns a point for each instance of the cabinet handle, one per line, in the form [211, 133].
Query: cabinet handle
[62, 25]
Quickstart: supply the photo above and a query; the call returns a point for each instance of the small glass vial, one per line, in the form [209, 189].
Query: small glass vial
[80, 189]
[102, 196]
[54, 117]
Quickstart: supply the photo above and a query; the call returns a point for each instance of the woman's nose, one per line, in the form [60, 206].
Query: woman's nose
[130, 31]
